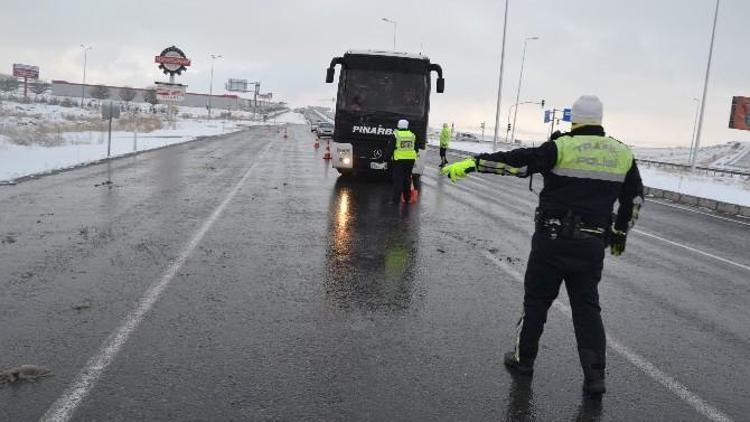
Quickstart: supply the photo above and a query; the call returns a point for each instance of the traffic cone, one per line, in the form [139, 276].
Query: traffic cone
[286, 133]
[317, 143]
[327, 155]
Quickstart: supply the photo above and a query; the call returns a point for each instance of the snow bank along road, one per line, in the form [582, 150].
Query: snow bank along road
[241, 279]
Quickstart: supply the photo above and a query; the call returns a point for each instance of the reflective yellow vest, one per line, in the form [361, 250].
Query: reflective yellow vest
[592, 157]
[445, 137]
[404, 149]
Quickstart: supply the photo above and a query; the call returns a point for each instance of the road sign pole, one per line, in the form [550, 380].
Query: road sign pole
[109, 139]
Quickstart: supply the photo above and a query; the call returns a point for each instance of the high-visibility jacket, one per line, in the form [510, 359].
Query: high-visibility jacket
[404, 147]
[445, 137]
[592, 157]
[584, 172]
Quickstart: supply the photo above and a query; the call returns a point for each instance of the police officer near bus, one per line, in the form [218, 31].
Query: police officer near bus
[584, 172]
[445, 139]
[404, 155]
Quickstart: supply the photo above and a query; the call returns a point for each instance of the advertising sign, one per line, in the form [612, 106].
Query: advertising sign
[236, 85]
[173, 93]
[25, 71]
[172, 61]
[739, 118]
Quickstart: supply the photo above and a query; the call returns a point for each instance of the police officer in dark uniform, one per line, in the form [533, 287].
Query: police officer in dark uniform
[584, 172]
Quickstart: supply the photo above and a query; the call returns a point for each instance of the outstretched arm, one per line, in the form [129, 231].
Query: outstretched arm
[534, 160]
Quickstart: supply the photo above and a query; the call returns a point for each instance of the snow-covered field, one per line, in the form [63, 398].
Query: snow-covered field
[73, 148]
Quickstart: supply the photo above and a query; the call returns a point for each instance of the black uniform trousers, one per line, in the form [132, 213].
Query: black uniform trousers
[579, 263]
[443, 160]
[401, 171]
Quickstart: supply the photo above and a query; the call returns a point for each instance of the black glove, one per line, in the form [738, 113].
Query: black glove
[617, 241]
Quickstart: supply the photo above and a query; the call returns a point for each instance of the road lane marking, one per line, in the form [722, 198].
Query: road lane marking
[695, 211]
[648, 368]
[691, 249]
[62, 409]
[641, 232]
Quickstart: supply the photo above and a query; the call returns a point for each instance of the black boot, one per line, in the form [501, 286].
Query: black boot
[517, 366]
[594, 387]
[593, 380]
[593, 372]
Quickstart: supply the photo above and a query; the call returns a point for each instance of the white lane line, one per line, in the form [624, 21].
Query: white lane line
[698, 251]
[695, 211]
[648, 368]
[62, 409]
[691, 249]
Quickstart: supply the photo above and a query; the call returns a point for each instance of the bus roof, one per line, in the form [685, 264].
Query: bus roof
[398, 54]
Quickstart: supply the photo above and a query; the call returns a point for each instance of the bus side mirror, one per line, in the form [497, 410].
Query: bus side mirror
[329, 75]
[440, 85]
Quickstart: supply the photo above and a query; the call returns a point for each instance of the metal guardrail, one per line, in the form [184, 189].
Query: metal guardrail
[707, 170]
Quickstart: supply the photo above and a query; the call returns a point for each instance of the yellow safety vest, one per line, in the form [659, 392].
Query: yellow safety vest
[404, 149]
[592, 157]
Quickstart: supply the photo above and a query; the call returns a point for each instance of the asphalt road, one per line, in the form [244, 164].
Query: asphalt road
[241, 279]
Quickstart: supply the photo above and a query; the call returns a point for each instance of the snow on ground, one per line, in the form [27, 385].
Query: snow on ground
[724, 189]
[82, 147]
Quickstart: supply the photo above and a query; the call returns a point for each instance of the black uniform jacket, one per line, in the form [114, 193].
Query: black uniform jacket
[591, 199]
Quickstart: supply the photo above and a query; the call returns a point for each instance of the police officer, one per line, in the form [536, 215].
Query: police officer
[584, 172]
[404, 155]
[445, 139]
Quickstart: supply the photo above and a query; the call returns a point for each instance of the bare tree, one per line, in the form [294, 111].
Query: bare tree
[150, 97]
[39, 87]
[8, 84]
[127, 94]
[100, 92]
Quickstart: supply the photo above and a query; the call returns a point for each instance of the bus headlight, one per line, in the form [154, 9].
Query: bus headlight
[343, 155]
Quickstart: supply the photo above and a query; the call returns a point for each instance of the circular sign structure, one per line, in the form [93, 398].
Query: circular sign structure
[172, 61]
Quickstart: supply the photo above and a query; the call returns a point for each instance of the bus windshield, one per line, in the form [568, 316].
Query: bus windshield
[394, 92]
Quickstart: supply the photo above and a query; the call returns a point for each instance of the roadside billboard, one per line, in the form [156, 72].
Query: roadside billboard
[25, 71]
[739, 118]
[236, 85]
[174, 93]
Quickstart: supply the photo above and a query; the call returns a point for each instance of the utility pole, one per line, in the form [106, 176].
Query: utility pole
[395, 26]
[83, 84]
[705, 91]
[500, 82]
[211, 84]
[695, 124]
[518, 90]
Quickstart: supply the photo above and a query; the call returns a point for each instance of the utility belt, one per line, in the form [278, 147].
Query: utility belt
[568, 226]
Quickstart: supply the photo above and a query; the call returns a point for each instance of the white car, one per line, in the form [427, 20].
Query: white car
[466, 137]
[325, 129]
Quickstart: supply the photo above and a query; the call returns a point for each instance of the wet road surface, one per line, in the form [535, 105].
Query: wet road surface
[307, 297]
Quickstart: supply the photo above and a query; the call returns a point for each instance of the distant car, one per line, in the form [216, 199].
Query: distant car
[325, 130]
[466, 137]
[314, 125]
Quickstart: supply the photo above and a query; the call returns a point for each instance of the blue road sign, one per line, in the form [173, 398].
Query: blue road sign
[567, 115]
[546, 116]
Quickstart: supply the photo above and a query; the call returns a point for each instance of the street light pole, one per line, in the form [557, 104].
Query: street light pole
[83, 84]
[395, 26]
[500, 82]
[705, 91]
[211, 84]
[695, 123]
[518, 90]
[511, 110]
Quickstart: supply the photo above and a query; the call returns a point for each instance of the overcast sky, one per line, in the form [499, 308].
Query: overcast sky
[646, 59]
